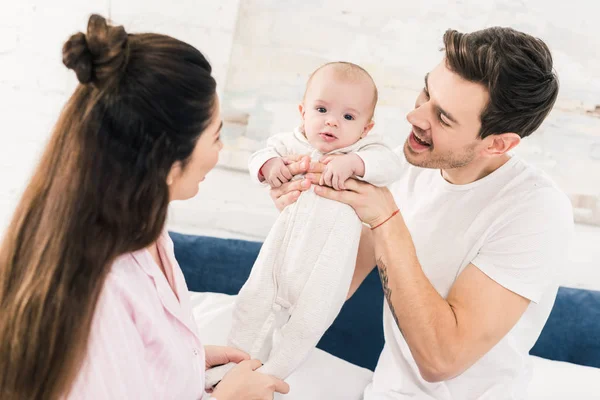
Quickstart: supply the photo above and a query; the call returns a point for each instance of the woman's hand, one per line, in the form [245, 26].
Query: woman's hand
[220, 355]
[243, 382]
[372, 204]
[289, 192]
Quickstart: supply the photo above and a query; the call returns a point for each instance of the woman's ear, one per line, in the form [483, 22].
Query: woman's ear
[174, 173]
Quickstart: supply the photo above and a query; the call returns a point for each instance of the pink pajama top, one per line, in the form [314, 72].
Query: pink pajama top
[144, 341]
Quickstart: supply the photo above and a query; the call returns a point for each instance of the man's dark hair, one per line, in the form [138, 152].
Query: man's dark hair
[517, 71]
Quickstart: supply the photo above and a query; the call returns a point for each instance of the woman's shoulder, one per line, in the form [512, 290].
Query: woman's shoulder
[123, 269]
[127, 279]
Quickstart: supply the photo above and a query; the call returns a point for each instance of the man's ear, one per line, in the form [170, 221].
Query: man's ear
[502, 143]
[367, 129]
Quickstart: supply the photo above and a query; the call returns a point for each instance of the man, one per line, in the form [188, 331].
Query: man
[468, 242]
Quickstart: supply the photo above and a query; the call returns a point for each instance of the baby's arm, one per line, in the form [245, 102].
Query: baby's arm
[341, 167]
[382, 165]
[267, 166]
[275, 172]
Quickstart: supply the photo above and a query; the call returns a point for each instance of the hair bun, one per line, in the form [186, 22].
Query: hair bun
[77, 56]
[99, 55]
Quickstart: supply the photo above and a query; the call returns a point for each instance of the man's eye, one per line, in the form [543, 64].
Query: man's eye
[442, 120]
[425, 92]
[348, 117]
[321, 110]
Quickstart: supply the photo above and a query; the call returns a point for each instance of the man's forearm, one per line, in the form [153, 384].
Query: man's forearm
[426, 320]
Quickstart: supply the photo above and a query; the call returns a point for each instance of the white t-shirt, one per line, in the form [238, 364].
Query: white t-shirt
[514, 225]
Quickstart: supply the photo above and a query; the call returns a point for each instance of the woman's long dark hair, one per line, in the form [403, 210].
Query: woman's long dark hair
[99, 191]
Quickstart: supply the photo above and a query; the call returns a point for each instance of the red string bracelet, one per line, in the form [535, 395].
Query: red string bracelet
[390, 217]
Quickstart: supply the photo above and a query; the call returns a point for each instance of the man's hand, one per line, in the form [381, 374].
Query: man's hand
[372, 204]
[289, 192]
[276, 172]
[339, 168]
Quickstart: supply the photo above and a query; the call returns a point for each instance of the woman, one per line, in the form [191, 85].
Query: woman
[93, 303]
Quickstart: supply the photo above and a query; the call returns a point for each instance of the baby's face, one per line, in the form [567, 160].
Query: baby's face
[337, 111]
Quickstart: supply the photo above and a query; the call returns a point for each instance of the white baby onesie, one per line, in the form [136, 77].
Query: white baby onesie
[301, 277]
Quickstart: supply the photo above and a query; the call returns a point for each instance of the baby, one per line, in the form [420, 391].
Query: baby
[301, 277]
[337, 111]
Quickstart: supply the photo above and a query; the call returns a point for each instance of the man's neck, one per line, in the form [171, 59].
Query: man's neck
[474, 171]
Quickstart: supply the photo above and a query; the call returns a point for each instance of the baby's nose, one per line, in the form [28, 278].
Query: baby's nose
[331, 121]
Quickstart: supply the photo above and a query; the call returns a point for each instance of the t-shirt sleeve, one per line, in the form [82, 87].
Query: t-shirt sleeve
[528, 245]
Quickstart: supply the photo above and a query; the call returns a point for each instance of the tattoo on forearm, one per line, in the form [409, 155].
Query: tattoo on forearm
[382, 268]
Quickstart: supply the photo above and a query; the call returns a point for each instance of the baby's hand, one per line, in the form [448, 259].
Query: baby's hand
[339, 168]
[276, 172]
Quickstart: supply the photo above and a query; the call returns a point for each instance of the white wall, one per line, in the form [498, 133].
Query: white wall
[34, 84]
[262, 53]
[279, 43]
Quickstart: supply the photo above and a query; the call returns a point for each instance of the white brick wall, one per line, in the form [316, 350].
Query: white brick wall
[207, 25]
[34, 84]
[278, 43]
[262, 52]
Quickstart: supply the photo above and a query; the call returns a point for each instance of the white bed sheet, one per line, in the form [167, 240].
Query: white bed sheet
[324, 376]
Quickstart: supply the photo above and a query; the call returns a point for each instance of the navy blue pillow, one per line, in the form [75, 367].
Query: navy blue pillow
[211, 264]
[572, 332]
